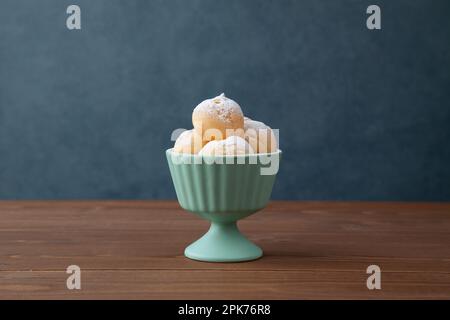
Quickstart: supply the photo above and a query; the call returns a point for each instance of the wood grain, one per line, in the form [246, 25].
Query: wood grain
[133, 249]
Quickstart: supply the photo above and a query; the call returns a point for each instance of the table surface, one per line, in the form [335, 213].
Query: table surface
[313, 250]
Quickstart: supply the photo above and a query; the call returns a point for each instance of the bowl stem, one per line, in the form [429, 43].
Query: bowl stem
[223, 243]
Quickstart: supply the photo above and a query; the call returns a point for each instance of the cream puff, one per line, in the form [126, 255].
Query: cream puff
[233, 145]
[188, 142]
[259, 136]
[218, 118]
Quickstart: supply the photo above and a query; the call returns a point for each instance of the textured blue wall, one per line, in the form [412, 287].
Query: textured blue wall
[88, 114]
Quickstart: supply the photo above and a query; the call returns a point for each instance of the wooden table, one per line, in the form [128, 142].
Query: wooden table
[134, 250]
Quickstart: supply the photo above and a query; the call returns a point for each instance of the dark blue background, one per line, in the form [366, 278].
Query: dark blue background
[88, 114]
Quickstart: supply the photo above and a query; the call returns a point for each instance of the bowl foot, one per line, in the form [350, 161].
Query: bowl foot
[223, 243]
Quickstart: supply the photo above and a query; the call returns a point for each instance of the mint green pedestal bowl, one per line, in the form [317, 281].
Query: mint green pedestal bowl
[223, 190]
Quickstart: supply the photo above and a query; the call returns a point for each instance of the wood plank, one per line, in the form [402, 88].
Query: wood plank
[214, 284]
[312, 250]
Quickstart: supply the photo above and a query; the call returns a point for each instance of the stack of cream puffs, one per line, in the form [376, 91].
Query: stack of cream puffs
[220, 128]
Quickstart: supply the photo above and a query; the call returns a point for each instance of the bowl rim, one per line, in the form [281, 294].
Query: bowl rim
[249, 155]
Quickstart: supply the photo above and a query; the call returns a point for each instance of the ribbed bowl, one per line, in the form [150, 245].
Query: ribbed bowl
[221, 191]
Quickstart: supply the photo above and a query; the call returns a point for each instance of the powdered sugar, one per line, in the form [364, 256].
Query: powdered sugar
[233, 145]
[235, 140]
[253, 124]
[221, 107]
